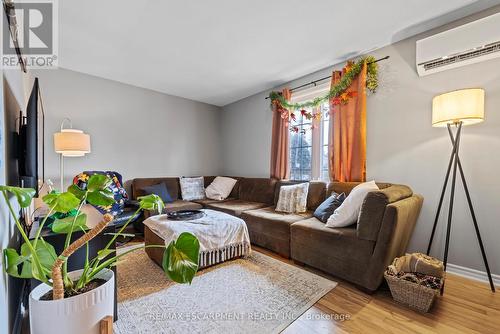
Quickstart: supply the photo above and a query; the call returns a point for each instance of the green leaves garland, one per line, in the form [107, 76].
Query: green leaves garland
[354, 69]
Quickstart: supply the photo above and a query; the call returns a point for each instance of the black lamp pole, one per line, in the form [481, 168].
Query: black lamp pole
[455, 162]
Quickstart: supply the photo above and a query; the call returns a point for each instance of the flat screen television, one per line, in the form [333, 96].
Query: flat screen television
[29, 142]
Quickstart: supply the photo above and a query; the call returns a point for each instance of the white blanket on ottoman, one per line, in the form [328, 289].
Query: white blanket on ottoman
[221, 235]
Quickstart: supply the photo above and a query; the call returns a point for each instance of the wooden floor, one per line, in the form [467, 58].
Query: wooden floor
[467, 307]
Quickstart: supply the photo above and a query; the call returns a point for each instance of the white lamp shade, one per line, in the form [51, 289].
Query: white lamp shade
[465, 105]
[71, 143]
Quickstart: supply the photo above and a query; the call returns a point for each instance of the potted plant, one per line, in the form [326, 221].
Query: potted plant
[81, 299]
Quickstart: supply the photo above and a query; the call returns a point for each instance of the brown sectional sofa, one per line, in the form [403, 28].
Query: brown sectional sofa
[359, 253]
[271, 229]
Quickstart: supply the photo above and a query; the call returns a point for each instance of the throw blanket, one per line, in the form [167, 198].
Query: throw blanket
[419, 269]
[419, 263]
[221, 235]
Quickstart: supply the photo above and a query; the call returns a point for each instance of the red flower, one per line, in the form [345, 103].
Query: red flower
[292, 116]
[303, 112]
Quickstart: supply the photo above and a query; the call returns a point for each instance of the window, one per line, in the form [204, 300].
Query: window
[301, 149]
[309, 146]
[325, 125]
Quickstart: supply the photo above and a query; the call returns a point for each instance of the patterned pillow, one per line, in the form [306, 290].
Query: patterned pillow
[293, 198]
[116, 187]
[192, 188]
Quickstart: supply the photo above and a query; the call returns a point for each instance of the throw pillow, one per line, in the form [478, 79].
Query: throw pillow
[293, 198]
[161, 190]
[326, 209]
[347, 214]
[220, 188]
[192, 188]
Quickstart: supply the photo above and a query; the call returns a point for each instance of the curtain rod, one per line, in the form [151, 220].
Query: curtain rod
[328, 77]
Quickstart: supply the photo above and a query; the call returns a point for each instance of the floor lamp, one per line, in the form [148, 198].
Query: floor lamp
[70, 143]
[457, 109]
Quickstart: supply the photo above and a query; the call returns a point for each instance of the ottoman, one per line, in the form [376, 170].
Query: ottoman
[222, 236]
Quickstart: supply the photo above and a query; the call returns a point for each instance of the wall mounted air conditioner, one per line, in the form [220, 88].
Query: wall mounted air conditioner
[468, 44]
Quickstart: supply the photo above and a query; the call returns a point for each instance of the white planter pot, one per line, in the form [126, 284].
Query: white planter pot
[79, 314]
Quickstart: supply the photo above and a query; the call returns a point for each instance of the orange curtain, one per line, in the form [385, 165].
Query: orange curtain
[347, 133]
[280, 168]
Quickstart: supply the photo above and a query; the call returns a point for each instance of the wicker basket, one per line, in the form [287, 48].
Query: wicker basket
[413, 295]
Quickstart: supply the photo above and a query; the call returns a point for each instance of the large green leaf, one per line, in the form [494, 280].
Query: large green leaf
[151, 202]
[101, 197]
[62, 202]
[180, 259]
[77, 191]
[63, 226]
[23, 195]
[98, 182]
[45, 253]
[22, 265]
[12, 260]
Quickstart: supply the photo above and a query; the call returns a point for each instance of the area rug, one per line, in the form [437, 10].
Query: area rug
[257, 294]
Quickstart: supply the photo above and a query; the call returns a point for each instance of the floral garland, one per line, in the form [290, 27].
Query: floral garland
[338, 94]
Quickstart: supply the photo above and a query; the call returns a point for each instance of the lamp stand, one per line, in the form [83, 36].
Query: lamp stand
[455, 162]
[61, 170]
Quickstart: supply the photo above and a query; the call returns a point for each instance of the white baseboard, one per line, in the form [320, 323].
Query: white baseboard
[474, 274]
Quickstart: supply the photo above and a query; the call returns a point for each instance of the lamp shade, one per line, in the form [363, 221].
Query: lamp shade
[71, 143]
[465, 105]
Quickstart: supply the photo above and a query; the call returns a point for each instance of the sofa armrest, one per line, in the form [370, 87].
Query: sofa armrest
[395, 232]
[374, 206]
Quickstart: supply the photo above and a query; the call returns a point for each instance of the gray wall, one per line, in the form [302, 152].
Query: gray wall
[402, 145]
[134, 131]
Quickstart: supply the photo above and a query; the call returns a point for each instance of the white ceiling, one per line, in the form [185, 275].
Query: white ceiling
[220, 51]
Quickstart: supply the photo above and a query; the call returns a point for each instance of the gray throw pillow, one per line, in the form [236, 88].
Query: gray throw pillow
[326, 209]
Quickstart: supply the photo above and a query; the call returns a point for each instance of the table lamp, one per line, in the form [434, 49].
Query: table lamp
[457, 109]
[70, 143]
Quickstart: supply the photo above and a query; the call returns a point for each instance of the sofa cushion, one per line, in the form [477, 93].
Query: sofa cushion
[172, 184]
[181, 205]
[235, 207]
[207, 201]
[271, 229]
[346, 187]
[315, 195]
[337, 251]
[259, 190]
